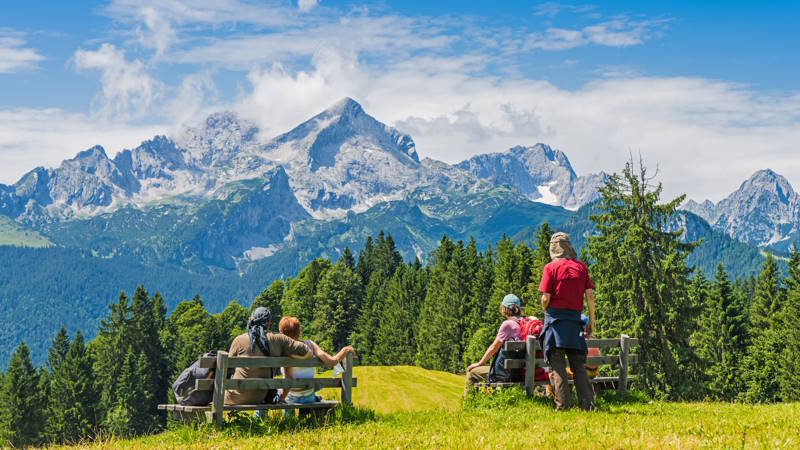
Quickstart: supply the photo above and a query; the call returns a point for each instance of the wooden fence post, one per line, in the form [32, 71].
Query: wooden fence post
[347, 380]
[622, 386]
[220, 373]
[530, 365]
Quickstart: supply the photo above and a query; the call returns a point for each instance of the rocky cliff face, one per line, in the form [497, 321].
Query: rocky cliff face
[764, 211]
[540, 173]
[341, 160]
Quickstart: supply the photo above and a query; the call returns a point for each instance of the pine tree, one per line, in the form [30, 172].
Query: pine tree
[231, 322]
[396, 336]
[58, 350]
[762, 364]
[439, 341]
[347, 259]
[190, 333]
[71, 407]
[541, 254]
[789, 366]
[335, 314]
[271, 298]
[383, 261]
[108, 349]
[301, 291]
[721, 339]
[768, 297]
[21, 418]
[640, 270]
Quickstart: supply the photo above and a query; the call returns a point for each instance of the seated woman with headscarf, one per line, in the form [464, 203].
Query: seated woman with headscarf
[258, 341]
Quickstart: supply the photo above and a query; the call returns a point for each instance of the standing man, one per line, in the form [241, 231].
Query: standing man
[565, 282]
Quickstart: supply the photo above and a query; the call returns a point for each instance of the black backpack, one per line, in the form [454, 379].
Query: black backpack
[499, 374]
[183, 387]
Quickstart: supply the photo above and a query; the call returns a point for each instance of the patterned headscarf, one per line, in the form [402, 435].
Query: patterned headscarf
[259, 320]
[560, 247]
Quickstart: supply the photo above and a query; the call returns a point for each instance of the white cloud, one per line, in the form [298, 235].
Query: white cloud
[618, 32]
[45, 137]
[306, 5]
[14, 56]
[127, 89]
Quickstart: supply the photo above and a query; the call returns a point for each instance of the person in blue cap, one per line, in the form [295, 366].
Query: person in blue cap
[509, 330]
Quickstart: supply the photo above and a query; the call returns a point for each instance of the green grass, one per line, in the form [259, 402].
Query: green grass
[415, 408]
[12, 233]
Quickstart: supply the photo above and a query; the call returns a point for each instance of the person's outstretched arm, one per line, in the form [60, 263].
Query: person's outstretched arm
[494, 347]
[328, 360]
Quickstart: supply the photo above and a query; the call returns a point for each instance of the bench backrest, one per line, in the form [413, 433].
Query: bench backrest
[624, 343]
[221, 382]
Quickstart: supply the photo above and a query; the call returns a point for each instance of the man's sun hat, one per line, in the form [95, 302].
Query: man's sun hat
[509, 300]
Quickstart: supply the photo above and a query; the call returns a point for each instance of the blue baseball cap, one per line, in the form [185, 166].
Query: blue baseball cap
[510, 299]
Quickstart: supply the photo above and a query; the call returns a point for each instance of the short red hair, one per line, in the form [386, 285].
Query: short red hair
[290, 326]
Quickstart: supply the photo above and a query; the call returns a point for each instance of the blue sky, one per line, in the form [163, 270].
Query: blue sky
[706, 91]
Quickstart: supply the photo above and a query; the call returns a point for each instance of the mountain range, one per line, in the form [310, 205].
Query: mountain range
[221, 210]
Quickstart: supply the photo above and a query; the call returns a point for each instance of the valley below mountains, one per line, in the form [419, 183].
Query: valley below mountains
[222, 211]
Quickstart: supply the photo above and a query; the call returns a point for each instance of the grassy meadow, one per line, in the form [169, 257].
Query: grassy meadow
[409, 407]
[12, 233]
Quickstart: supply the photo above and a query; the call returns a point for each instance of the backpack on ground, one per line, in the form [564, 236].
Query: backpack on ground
[184, 386]
[531, 326]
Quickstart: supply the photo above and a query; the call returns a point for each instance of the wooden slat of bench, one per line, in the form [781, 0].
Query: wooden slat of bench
[274, 383]
[520, 363]
[591, 360]
[183, 408]
[316, 405]
[594, 343]
[261, 361]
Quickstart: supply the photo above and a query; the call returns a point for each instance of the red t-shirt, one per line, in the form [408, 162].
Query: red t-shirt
[565, 280]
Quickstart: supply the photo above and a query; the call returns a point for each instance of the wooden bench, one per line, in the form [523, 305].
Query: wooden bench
[625, 344]
[221, 383]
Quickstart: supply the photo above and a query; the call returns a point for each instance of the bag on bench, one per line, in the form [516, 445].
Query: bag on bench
[498, 372]
[183, 387]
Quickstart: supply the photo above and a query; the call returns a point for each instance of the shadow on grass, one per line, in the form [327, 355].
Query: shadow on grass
[605, 401]
[245, 424]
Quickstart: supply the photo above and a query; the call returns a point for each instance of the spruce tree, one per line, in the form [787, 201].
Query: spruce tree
[541, 255]
[109, 348]
[395, 340]
[298, 300]
[58, 350]
[347, 259]
[721, 339]
[72, 403]
[439, 342]
[789, 334]
[271, 298]
[767, 298]
[762, 363]
[21, 418]
[639, 268]
[335, 313]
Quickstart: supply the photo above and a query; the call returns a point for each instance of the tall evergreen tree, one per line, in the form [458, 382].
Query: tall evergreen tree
[336, 300]
[301, 291]
[789, 333]
[21, 418]
[541, 255]
[58, 349]
[439, 341]
[767, 298]
[72, 403]
[109, 348]
[762, 363]
[384, 260]
[640, 269]
[396, 336]
[271, 298]
[721, 338]
[190, 332]
[347, 259]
